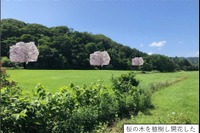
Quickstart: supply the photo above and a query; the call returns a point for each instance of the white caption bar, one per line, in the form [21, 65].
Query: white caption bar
[159, 128]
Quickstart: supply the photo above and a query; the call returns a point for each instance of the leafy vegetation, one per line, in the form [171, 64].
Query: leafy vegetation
[3, 79]
[176, 104]
[96, 106]
[73, 109]
[64, 48]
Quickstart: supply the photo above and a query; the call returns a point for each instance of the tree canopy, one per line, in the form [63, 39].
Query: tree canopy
[61, 47]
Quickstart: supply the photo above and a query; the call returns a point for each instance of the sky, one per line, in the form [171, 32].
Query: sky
[167, 27]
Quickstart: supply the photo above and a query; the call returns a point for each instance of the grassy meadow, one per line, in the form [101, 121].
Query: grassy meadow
[180, 98]
[52, 80]
[173, 104]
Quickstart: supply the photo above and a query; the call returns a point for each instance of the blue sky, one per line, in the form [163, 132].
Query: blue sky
[167, 27]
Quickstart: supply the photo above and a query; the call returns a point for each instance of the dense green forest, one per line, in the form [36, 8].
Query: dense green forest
[61, 47]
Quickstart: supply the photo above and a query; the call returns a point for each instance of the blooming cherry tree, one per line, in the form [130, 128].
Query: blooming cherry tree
[24, 52]
[99, 58]
[137, 61]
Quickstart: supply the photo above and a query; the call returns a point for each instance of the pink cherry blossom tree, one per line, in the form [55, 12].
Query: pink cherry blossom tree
[137, 61]
[24, 53]
[99, 58]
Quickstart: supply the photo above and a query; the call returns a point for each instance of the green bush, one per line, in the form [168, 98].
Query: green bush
[131, 97]
[125, 82]
[3, 79]
[7, 63]
[73, 108]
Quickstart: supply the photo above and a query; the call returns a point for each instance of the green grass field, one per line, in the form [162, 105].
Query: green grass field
[178, 101]
[52, 80]
[180, 98]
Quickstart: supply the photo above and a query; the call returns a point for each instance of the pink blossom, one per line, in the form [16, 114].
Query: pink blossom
[137, 61]
[99, 58]
[24, 52]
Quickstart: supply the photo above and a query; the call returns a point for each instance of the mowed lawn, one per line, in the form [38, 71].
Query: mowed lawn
[180, 98]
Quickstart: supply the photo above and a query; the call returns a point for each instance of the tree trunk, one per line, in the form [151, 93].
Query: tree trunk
[24, 64]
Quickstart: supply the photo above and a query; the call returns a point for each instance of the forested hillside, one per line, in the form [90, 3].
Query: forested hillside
[194, 60]
[61, 47]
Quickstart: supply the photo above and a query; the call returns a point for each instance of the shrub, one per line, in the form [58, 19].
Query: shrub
[3, 79]
[7, 63]
[73, 108]
[125, 82]
[131, 97]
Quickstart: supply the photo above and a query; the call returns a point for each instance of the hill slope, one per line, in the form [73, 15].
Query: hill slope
[61, 47]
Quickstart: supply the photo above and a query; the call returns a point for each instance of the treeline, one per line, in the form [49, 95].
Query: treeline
[61, 47]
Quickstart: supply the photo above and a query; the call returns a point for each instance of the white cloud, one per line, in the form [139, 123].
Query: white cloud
[158, 44]
[141, 45]
[150, 53]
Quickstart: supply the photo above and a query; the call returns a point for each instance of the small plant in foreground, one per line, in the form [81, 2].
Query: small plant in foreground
[178, 118]
[175, 118]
